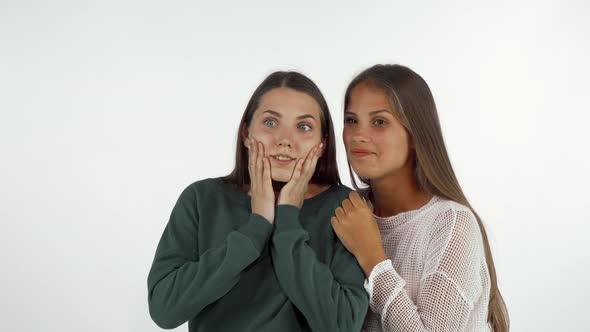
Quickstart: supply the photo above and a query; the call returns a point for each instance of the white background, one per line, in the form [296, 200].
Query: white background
[110, 108]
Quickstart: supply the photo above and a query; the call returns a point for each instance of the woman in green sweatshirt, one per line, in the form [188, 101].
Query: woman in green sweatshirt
[255, 250]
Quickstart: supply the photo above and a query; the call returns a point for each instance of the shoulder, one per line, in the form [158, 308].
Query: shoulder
[449, 214]
[329, 199]
[207, 185]
[211, 194]
[453, 224]
[341, 191]
[338, 193]
[204, 189]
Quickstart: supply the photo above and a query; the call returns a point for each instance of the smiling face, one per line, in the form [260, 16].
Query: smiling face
[288, 123]
[377, 144]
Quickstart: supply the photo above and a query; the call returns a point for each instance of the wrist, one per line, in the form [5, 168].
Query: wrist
[286, 201]
[369, 262]
[268, 216]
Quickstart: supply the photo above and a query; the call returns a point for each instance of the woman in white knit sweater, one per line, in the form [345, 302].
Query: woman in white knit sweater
[422, 247]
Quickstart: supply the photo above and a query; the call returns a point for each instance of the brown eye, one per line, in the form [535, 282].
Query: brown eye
[379, 122]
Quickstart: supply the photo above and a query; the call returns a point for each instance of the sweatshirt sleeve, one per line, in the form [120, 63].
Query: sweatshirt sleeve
[449, 285]
[331, 298]
[181, 282]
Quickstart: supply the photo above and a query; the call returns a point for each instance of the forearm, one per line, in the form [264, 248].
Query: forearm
[179, 288]
[440, 306]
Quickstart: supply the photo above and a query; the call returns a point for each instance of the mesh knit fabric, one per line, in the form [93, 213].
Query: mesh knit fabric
[436, 277]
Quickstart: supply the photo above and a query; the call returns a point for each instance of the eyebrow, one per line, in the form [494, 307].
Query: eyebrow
[370, 113]
[278, 115]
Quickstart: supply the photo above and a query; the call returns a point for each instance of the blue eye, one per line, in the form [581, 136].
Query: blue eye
[304, 127]
[270, 123]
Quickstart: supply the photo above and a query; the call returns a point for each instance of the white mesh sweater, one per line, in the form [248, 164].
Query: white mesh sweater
[436, 277]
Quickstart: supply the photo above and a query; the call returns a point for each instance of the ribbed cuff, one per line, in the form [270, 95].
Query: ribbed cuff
[258, 229]
[287, 218]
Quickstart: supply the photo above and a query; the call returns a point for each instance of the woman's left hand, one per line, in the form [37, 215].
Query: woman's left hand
[356, 227]
[294, 191]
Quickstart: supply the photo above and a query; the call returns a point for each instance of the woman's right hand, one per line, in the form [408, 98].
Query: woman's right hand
[261, 192]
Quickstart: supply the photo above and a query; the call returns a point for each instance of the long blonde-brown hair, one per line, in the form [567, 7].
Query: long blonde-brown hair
[414, 107]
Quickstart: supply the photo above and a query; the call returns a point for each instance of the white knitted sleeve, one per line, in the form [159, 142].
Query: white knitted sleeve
[450, 283]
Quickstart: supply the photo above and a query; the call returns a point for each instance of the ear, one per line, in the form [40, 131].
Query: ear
[245, 137]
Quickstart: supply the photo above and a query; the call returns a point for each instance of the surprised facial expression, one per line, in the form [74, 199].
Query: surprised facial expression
[288, 123]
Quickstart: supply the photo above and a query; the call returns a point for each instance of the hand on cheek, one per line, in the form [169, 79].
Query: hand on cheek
[261, 191]
[293, 192]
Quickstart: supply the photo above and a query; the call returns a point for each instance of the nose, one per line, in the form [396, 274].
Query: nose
[359, 139]
[285, 139]
[357, 135]
[285, 144]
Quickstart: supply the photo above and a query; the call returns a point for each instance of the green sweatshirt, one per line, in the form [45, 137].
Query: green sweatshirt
[222, 268]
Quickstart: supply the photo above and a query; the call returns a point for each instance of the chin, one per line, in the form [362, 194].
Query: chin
[281, 177]
[364, 173]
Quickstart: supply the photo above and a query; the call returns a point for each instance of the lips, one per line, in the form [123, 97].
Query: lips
[360, 152]
[282, 159]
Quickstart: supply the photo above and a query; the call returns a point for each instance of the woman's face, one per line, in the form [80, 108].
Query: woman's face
[377, 145]
[288, 123]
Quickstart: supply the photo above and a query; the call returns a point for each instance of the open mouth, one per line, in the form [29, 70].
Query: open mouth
[282, 159]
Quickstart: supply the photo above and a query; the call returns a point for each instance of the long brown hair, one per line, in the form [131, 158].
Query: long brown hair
[414, 107]
[326, 170]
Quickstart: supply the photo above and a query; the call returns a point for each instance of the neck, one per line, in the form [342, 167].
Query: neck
[312, 188]
[397, 193]
[277, 186]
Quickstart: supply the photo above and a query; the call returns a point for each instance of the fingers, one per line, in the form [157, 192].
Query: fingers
[311, 161]
[258, 164]
[266, 172]
[335, 224]
[252, 153]
[356, 200]
[347, 205]
[259, 157]
[314, 160]
[339, 213]
[259, 168]
[297, 170]
[251, 156]
[304, 168]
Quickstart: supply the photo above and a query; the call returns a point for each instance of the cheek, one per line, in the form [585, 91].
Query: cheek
[399, 147]
[263, 135]
[388, 144]
[305, 142]
[346, 135]
[304, 146]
